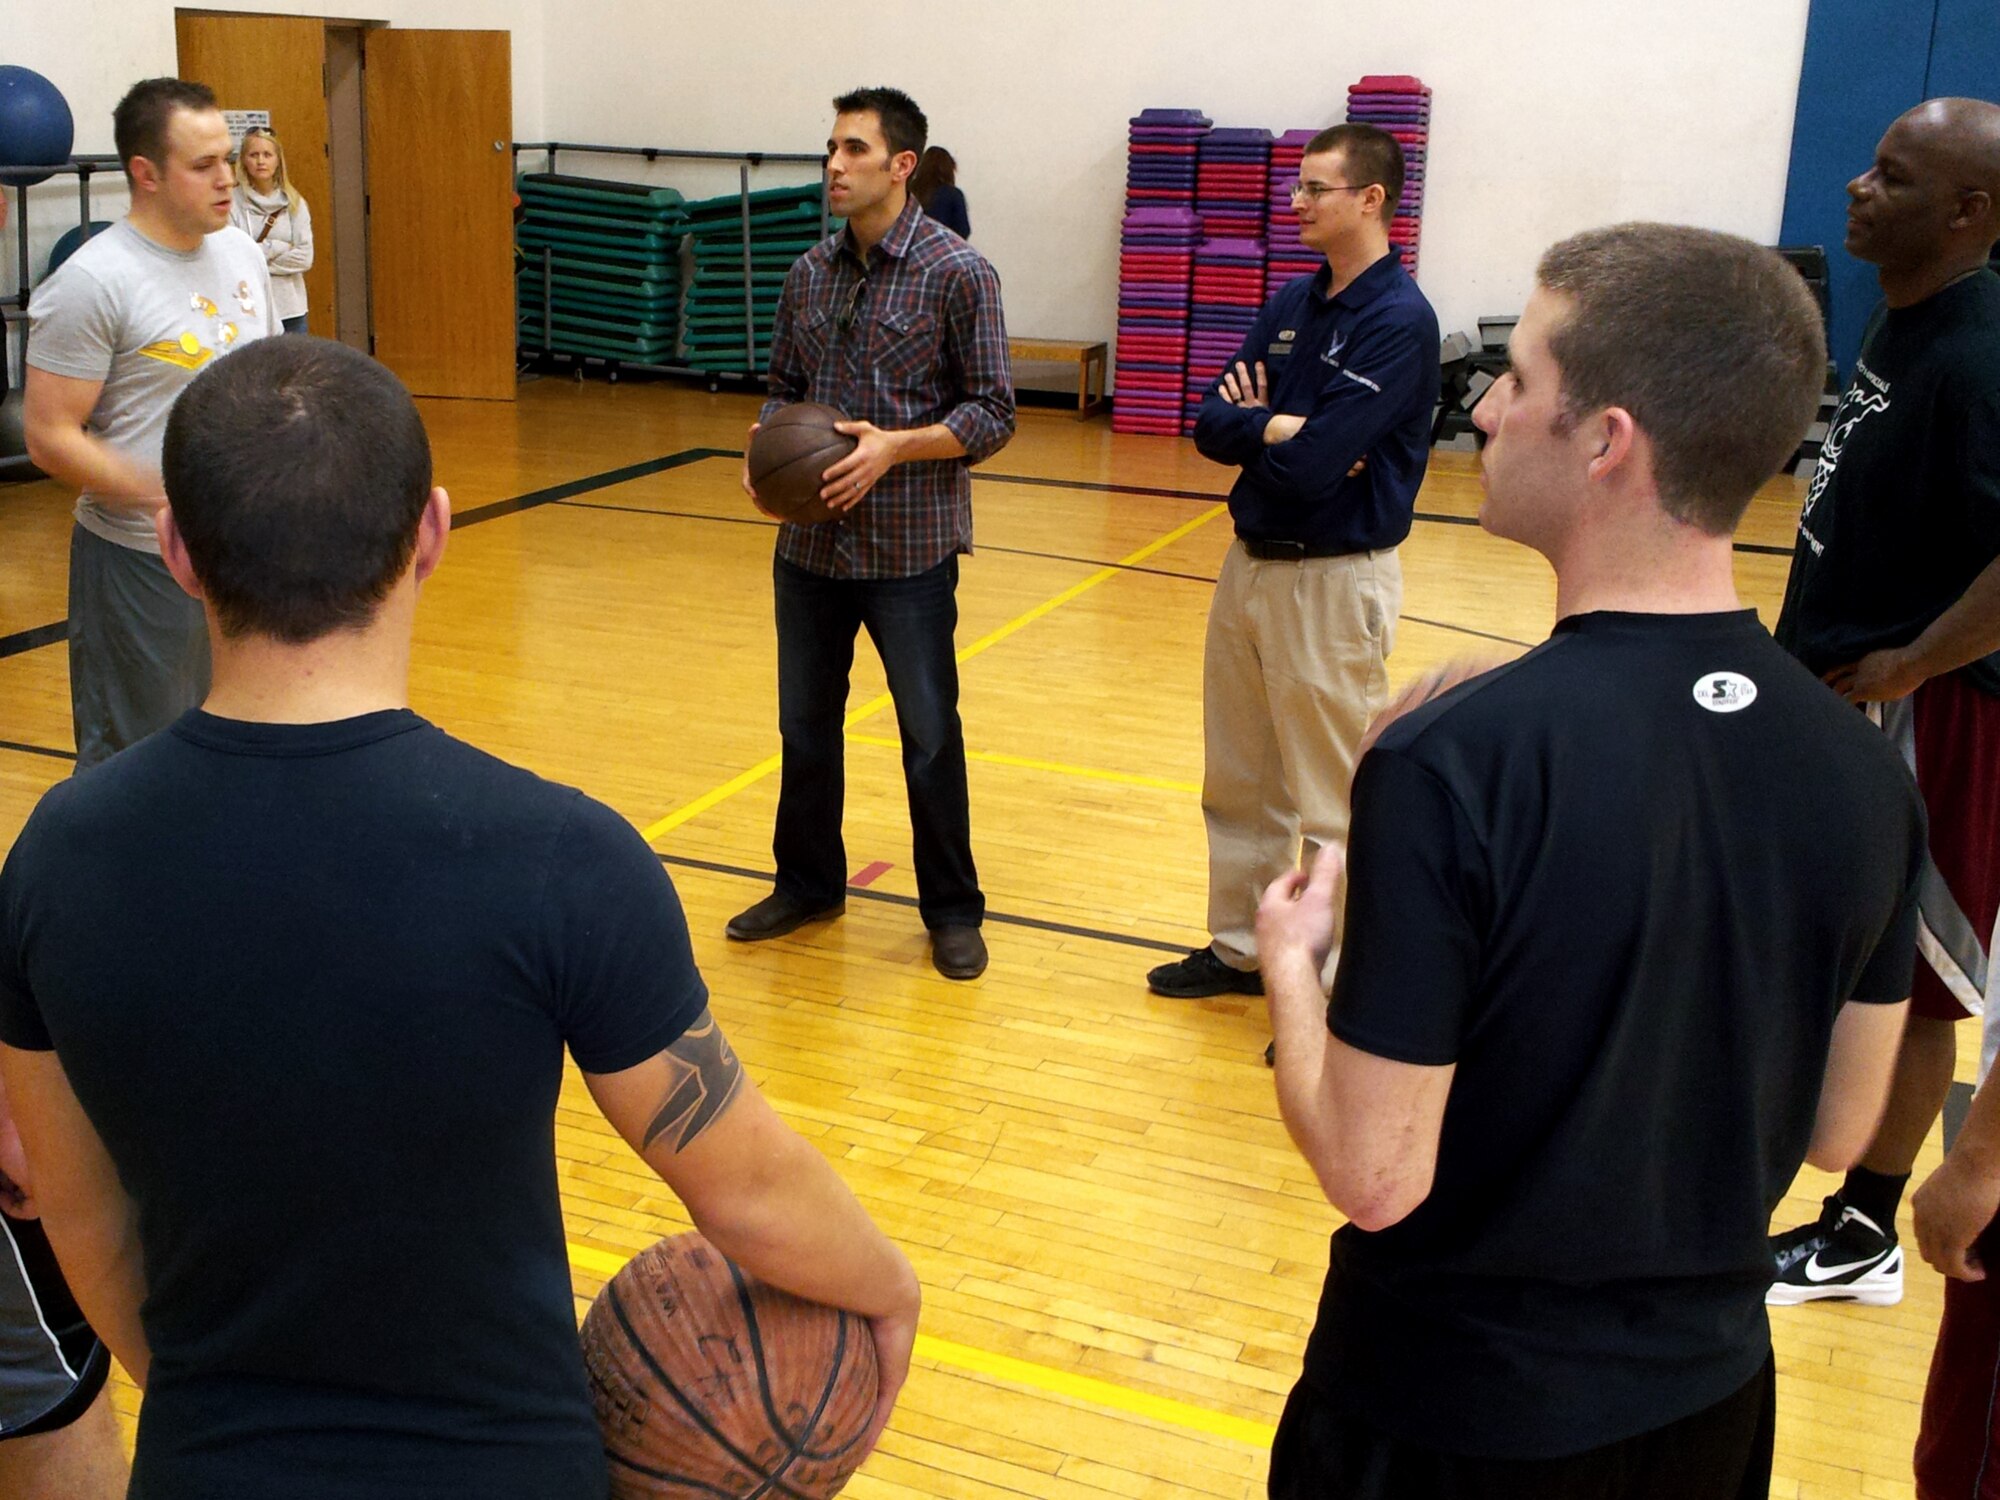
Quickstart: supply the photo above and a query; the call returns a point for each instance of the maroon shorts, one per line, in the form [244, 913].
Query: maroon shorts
[1949, 732]
[1958, 1443]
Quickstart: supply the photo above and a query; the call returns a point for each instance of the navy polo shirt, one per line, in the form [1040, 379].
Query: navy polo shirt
[1362, 369]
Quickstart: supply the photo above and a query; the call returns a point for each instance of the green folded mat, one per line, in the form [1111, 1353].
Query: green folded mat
[528, 232]
[760, 219]
[728, 202]
[708, 276]
[662, 223]
[647, 281]
[603, 189]
[634, 327]
[600, 307]
[649, 351]
[760, 259]
[529, 284]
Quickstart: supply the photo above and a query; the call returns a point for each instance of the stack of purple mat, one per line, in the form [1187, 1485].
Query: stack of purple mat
[1156, 248]
[1232, 178]
[1160, 157]
[1286, 258]
[1228, 290]
[1401, 105]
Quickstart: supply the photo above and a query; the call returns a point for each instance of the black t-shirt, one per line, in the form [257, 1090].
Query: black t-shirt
[1624, 884]
[312, 985]
[1903, 511]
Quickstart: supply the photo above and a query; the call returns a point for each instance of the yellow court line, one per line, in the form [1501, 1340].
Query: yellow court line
[881, 701]
[1021, 762]
[604, 1266]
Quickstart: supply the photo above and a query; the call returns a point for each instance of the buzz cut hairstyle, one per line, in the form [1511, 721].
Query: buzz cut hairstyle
[903, 124]
[1714, 345]
[139, 123]
[1372, 157]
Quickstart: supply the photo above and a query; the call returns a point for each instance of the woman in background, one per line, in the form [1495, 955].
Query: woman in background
[269, 209]
[935, 187]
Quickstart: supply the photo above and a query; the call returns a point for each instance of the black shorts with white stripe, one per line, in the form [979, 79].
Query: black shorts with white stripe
[51, 1365]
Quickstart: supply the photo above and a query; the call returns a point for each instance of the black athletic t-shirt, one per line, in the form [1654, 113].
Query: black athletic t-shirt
[1903, 511]
[312, 984]
[1624, 884]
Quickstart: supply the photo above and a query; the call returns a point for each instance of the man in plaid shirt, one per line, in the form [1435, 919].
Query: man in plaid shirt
[895, 321]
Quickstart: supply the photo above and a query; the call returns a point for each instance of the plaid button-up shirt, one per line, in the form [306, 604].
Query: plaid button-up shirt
[912, 337]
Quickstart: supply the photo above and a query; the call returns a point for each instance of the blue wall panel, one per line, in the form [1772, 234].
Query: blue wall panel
[1965, 50]
[1865, 63]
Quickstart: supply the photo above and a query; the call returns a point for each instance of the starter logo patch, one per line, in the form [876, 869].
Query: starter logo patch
[1724, 692]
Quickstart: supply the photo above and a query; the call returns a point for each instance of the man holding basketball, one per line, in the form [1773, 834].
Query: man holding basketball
[291, 1135]
[896, 322]
[1630, 925]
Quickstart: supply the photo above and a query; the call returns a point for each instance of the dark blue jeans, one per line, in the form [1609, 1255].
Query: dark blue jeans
[911, 621]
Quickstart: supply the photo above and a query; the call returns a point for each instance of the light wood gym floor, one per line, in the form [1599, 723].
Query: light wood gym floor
[1120, 1251]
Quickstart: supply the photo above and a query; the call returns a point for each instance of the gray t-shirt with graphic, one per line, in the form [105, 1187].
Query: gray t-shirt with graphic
[145, 320]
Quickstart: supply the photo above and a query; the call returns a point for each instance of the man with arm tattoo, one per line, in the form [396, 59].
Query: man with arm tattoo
[292, 1138]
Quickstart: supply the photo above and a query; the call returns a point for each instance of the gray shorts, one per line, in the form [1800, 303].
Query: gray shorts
[138, 647]
[51, 1365]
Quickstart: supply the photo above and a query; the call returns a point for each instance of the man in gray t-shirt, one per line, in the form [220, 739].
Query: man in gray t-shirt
[115, 335]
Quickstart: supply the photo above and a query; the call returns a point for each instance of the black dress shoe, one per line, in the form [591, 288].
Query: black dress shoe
[958, 952]
[1200, 975]
[776, 915]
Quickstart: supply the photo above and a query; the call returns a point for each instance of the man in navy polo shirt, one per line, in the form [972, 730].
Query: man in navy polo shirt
[1327, 411]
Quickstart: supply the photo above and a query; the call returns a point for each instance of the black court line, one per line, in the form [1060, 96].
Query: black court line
[696, 515]
[52, 753]
[48, 635]
[35, 639]
[1006, 919]
[1484, 635]
[1089, 562]
[583, 486]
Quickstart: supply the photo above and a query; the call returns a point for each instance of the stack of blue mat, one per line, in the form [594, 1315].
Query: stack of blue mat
[611, 255]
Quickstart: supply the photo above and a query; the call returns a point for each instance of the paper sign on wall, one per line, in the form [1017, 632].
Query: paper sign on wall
[240, 120]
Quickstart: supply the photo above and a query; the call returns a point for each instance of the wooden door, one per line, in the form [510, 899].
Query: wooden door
[276, 63]
[440, 210]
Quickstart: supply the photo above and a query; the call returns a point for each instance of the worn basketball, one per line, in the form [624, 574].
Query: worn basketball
[789, 454]
[709, 1383]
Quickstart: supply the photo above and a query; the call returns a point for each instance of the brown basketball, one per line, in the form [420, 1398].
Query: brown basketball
[708, 1382]
[789, 454]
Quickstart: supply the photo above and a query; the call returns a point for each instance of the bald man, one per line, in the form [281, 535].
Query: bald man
[1894, 599]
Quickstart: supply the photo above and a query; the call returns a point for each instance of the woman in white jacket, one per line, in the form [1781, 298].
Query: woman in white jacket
[269, 209]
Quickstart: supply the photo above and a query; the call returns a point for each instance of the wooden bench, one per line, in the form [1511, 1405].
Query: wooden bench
[1062, 351]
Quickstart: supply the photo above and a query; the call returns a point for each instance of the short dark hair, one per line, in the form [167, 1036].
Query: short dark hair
[139, 123]
[903, 124]
[1372, 158]
[298, 470]
[1713, 344]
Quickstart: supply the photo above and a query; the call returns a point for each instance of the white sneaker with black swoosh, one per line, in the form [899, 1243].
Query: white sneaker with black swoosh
[1850, 1261]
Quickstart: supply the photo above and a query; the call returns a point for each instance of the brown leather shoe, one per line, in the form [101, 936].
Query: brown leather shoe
[958, 952]
[776, 915]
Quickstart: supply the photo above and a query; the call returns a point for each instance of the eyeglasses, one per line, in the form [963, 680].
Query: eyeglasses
[1318, 190]
[844, 320]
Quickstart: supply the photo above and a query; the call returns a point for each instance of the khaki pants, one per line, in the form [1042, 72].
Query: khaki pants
[1294, 668]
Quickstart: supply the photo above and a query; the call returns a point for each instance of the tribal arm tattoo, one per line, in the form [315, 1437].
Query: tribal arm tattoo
[703, 1076]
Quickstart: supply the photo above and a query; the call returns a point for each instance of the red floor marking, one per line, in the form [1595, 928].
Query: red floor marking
[869, 874]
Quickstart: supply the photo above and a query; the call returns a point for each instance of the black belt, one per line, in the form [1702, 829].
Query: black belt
[1290, 551]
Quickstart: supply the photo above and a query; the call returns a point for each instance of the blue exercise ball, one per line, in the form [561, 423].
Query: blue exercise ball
[36, 127]
[65, 247]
